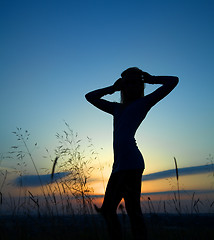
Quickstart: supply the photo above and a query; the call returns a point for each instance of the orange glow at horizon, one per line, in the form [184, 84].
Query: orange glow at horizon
[189, 182]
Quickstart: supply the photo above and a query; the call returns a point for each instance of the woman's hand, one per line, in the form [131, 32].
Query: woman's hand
[118, 85]
[147, 78]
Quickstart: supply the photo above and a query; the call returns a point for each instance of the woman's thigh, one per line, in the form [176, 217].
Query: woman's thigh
[132, 191]
[124, 184]
[114, 193]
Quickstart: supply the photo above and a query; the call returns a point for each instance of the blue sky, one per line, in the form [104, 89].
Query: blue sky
[54, 52]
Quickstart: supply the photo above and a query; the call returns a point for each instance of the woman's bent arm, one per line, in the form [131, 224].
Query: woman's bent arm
[168, 84]
[95, 96]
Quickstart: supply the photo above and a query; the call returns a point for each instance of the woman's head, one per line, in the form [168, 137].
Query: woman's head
[133, 85]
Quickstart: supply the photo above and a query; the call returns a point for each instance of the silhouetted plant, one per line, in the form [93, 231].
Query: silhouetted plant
[177, 196]
[77, 161]
[20, 152]
[71, 158]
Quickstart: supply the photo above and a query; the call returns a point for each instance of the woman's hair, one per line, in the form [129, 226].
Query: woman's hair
[131, 72]
[132, 77]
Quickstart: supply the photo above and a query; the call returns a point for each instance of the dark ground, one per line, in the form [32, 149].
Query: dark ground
[88, 227]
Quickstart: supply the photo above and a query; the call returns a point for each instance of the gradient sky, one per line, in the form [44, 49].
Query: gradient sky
[53, 52]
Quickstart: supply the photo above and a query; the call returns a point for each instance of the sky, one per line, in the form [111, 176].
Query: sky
[54, 52]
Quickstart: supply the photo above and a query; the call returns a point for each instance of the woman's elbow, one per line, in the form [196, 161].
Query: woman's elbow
[176, 80]
[88, 97]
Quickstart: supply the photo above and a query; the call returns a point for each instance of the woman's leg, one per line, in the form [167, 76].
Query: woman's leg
[132, 202]
[112, 198]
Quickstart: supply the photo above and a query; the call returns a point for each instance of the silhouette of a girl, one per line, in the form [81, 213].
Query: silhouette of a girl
[128, 166]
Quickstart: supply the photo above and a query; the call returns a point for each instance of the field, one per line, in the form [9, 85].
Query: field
[64, 207]
[88, 227]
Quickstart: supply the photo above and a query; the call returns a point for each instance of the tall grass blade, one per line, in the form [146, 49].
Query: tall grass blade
[177, 177]
[53, 168]
[176, 168]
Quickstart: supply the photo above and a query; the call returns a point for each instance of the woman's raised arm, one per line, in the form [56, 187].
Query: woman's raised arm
[95, 96]
[168, 84]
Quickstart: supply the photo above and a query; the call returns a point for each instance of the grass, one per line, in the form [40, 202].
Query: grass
[65, 208]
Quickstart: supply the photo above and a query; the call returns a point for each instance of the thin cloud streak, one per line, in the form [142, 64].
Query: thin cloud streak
[181, 171]
[34, 180]
[190, 191]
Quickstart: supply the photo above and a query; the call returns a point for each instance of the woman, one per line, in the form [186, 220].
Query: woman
[128, 166]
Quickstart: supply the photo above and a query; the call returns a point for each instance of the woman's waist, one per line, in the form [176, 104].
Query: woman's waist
[126, 149]
[124, 142]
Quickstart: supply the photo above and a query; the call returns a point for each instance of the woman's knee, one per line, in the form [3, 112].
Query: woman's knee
[107, 211]
[133, 208]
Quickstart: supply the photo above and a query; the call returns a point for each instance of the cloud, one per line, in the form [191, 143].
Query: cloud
[189, 191]
[35, 180]
[181, 171]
